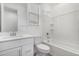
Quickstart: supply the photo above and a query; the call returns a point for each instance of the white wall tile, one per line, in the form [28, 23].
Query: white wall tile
[66, 24]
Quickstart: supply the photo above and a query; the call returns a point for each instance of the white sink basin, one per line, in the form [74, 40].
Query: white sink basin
[6, 37]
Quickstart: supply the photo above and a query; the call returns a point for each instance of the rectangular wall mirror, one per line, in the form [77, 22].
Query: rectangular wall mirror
[10, 21]
[0, 17]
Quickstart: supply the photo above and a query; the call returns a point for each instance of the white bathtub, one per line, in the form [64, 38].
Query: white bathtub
[61, 49]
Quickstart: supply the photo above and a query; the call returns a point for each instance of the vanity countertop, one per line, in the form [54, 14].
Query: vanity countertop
[9, 38]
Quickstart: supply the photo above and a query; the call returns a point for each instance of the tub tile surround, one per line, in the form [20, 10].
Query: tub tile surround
[65, 35]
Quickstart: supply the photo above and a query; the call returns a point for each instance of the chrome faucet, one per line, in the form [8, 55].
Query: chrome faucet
[12, 33]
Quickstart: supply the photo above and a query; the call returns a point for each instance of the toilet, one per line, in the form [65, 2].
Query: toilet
[43, 49]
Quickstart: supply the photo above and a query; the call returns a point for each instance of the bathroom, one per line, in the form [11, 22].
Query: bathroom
[39, 29]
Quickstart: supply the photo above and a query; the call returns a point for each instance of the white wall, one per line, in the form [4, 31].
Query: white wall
[30, 29]
[65, 18]
[23, 25]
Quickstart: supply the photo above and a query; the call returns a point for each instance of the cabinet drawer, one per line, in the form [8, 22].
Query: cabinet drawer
[9, 44]
[10, 52]
[26, 41]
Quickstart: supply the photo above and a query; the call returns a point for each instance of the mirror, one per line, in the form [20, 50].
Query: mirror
[0, 17]
[10, 21]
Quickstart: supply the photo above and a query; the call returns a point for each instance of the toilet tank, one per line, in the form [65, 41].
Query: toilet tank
[38, 40]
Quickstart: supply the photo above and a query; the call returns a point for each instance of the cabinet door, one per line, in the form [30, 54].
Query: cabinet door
[27, 50]
[10, 52]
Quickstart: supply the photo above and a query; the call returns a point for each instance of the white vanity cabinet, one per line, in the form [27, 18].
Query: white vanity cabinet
[17, 47]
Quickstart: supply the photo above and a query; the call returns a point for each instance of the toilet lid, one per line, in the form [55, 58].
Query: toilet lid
[43, 46]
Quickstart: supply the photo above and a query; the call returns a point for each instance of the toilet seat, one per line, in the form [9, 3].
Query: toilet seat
[43, 48]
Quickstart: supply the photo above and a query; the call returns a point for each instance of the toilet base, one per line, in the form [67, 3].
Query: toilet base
[42, 49]
[41, 54]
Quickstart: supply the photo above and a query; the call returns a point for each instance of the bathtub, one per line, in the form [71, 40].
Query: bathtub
[61, 49]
